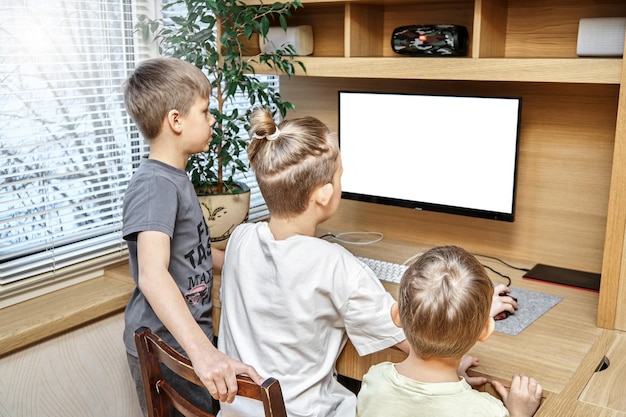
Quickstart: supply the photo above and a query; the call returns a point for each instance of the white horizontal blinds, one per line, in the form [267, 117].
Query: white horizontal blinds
[64, 135]
[149, 9]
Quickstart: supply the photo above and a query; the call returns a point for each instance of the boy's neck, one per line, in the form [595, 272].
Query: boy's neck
[283, 228]
[305, 223]
[170, 159]
[165, 149]
[435, 370]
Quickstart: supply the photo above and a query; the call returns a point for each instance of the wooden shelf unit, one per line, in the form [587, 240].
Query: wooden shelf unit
[548, 70]
[573, 118]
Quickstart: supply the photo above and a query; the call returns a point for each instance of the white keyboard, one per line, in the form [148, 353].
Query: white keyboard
[386, 271]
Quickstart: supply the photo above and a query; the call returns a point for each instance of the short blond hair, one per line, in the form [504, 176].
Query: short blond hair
[444, 301]
[302, 156]
[159, 85]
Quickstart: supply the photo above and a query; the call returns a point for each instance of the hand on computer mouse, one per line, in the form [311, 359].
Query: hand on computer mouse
[502, 304]
[502, 315]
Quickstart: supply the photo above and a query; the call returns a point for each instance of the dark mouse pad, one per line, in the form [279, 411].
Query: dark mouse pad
[564, 276]
[532, 305]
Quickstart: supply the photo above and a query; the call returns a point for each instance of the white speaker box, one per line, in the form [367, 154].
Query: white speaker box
[603, 36]
[301, 37]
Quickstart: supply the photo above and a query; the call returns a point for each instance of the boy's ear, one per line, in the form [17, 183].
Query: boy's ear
[174, 120]
[395, 315]
[487, 330]
[324, 193]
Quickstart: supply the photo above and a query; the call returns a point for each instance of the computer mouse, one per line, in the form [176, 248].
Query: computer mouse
[502, 315]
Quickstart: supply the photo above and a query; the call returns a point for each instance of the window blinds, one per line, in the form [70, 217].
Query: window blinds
[66, 151]
[68, 148]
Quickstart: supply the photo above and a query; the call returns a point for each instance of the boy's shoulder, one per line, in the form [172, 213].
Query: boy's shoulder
[384, 378]
[155, 166]
[151, 171]
[380, 370]
[314, 245]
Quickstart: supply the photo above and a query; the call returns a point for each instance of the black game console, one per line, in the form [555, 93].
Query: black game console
[564, 276]
[430, 40]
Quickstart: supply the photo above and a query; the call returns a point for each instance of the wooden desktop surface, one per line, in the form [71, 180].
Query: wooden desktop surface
[561, 349]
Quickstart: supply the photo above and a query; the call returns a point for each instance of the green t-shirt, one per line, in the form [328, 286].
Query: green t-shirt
[385, 392]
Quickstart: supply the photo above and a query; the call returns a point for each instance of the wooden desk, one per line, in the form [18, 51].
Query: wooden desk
[561, 349]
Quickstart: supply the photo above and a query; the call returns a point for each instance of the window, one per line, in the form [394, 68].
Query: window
[68, 147]
[64, 136]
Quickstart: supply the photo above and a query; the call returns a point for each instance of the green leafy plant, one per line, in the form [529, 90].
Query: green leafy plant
[215, 36]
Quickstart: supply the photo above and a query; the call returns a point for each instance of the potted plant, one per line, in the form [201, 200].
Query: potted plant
[219, 38]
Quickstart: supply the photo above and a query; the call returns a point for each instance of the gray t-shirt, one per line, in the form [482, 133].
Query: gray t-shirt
[161, 198]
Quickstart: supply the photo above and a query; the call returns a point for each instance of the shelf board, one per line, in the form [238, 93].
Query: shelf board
[548, 70]
[392, 2]
[32, 321]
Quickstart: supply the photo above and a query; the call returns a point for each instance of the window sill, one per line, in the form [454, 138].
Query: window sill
[34, 320]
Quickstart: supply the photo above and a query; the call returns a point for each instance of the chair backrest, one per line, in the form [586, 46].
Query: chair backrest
[153, 351]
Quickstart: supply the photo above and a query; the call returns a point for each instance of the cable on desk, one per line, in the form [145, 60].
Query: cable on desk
[502, 262]
[508, 278]
[343, 237]
[410, 260]
[326, 235]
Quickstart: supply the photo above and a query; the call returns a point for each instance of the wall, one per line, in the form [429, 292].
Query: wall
[81, 373]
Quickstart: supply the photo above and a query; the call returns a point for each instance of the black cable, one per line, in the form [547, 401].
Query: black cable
[502, 262]
[341, 237]
[508, 278]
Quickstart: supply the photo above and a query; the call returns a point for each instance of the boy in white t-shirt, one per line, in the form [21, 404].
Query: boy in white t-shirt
[291, 300]
[444, 304]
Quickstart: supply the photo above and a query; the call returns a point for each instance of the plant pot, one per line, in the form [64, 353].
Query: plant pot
[225, 211]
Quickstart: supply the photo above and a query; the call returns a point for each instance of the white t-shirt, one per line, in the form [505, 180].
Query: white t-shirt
[385, 392]
[288, 307]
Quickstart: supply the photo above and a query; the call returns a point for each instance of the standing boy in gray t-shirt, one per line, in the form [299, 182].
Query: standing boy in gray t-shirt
[168, 239]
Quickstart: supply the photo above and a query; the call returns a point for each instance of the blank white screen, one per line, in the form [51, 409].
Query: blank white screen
[443, 150]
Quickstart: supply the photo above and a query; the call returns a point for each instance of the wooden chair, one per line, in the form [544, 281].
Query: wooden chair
[153, 351]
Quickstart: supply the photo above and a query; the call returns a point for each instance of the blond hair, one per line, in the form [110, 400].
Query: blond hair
[290, 160]
[159, 85]
[444, 301]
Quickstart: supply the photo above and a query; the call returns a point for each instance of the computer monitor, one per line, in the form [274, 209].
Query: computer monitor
[451, 154]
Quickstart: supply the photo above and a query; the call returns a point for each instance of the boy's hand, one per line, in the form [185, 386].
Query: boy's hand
[219, 373]
[500, 303]
[466, 363]
[524, 398]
